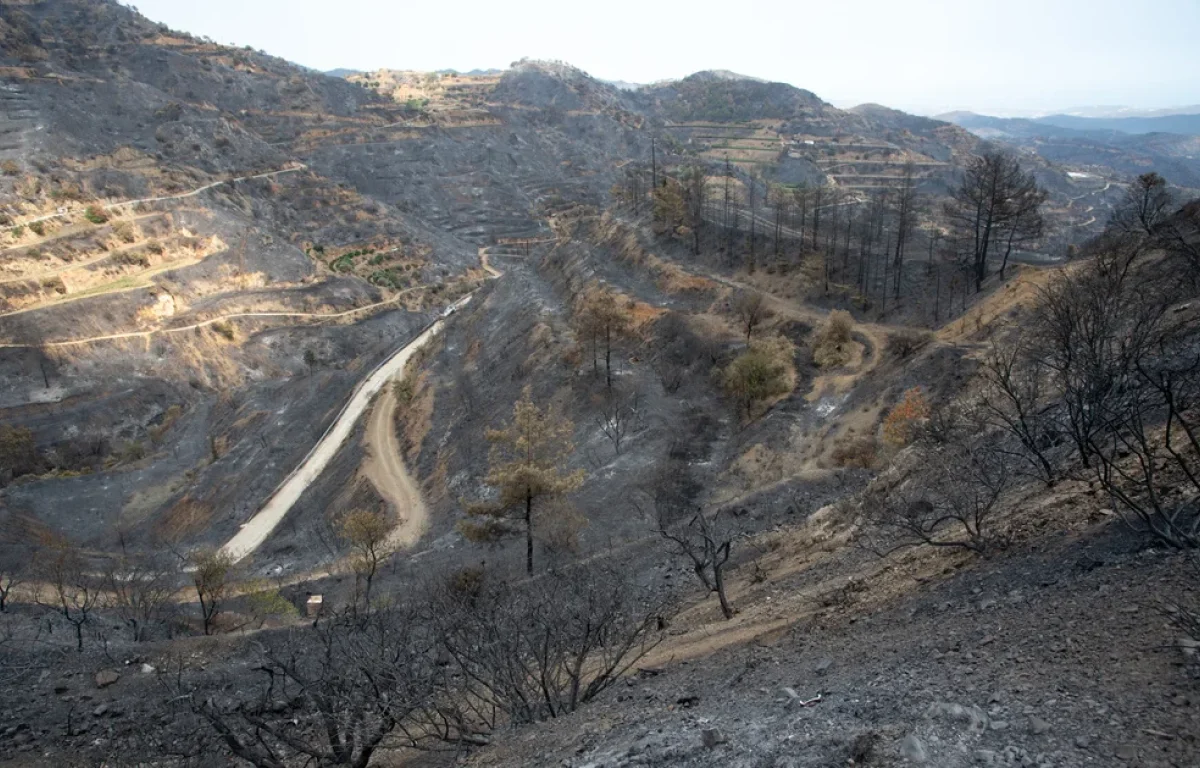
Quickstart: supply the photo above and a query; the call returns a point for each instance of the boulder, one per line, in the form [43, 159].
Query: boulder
[107, 677]
[711, 737]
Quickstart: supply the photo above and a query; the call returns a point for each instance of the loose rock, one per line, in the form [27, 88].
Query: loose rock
[913, 750]
[711, 737]
[106, 677]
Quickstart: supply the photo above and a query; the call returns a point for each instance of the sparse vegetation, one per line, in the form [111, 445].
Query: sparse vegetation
[405, 389]
[210, 576]
[859, 452]
[96, 214]
[141, 590]
[764, 371]
[946, 495]
[18, 454]
[831, 346]
[602, 317]
[73, 591]
[226, 328]
[125, 230]
[903, 421]
[366, 532]
[752, 311]
[526, 465]
[904, 343]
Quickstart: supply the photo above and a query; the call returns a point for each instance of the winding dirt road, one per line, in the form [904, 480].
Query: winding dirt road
[210, 321]
[256, 530]
[384, 467]
[181, 196]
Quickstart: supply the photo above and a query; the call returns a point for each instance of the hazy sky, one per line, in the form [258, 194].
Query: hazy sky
[997, 56]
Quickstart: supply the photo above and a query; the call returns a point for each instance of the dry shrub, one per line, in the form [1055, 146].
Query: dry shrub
[831, 347]
[467, 582]
[170, 416]
[900, 426]
[145, 317]
[572, 356]
[855, 452]
[480, 527]
[226, 328]
[10, 168]
[674, 279]
[133, 259]
[125, 230]
[185, 518]
[905, 342]
[557, 526]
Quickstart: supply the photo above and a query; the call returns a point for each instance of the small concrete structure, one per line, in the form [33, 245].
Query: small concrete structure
[312, 607]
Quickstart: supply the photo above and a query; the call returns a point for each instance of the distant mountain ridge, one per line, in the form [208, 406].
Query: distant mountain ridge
[1127, 153]
[1121, 111]
[1186, 124]
[1183, 124]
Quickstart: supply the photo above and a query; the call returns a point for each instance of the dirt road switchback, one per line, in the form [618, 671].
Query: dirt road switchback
[384, 467]
[256, 530]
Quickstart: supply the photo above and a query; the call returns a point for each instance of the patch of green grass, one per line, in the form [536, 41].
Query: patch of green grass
[388, 278]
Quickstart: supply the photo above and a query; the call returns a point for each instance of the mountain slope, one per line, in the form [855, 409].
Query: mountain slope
[1187, 124]
[1107, 151]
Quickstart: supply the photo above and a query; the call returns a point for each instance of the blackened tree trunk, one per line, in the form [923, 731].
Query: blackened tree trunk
[529, 533]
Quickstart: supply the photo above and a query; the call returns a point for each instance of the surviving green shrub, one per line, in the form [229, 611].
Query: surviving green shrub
[17, 451]
[96, 214]
[405, 390]
[765, 370]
